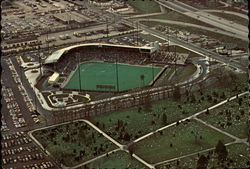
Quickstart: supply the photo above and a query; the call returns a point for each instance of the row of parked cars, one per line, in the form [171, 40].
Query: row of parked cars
[43, 165]
[23, 158]
[4, 126]
[13, 135]
[14, 109]
[18, 150]
[27, 100]
[14, 151]
[15, 142]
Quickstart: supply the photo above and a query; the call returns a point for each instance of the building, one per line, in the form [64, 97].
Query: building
[53, 78]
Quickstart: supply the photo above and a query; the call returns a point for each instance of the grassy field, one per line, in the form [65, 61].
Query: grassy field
[231, 117]
[117, 160]
[232, 17]
[151, 38]
[144, 6]
[185, 73]
[226, 39]
[101, 73]
[137, 123]
[164, 79]
[234, 159]
[73, 143]
[184, 138]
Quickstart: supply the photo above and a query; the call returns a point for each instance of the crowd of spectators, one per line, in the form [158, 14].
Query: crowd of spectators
[69, 60]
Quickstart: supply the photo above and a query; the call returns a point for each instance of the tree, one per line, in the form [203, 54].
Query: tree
[126, 137]
[147, 105]
[202, 162]
[177, 93]
[142, 77]
[164, 119]
[131, 149]
[221, 151]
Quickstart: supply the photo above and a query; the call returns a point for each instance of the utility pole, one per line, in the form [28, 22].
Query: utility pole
[168, 39]
[117, 77]
[40, 60]
[48, 40]
[175, 55]
[137, 33]
[79, 72]
[107, 28]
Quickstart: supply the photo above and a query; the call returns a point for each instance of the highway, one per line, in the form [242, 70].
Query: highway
[192, 47]
[229, 26]
[203, 52]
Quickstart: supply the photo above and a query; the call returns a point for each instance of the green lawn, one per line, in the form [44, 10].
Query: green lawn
[235, 160]
[140, 123]
[151, 38]
[164, 79]
[231, 117]
[185, 73]
[102, 73]
[117, 160]
[232, 17]
[157, 147]
[225, 39]
[145, 6]
[73, 143]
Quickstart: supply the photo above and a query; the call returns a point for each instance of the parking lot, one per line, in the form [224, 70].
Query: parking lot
[18, 150]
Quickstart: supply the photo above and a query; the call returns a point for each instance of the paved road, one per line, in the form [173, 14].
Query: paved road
[215, 30]
[227, 12]
[145, 15]
[202, 16]
[189, 46]
[227, 5]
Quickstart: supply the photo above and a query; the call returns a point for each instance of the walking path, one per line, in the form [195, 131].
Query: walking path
[238, 140]
[152, 166]
[96, 158]
[190, 117]
[104, 134]
[192, 154]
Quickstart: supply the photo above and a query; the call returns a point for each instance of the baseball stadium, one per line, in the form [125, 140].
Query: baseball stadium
[96, 68]
[104, 67]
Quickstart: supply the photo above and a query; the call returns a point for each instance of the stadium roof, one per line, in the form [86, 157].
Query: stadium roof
[57, 54]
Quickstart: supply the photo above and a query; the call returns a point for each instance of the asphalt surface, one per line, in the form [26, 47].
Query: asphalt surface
[216, 21]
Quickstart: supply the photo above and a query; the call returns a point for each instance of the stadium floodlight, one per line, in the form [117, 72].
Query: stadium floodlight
[117, 76]
[79, 71]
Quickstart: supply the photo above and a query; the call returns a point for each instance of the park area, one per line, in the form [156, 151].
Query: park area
[102, 76]
[119, 159]
[231, 117]
[73, 143]
[238, 157]
[176, 141]
[130, 124]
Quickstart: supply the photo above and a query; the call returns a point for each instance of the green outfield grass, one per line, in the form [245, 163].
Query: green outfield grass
[101, 73]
